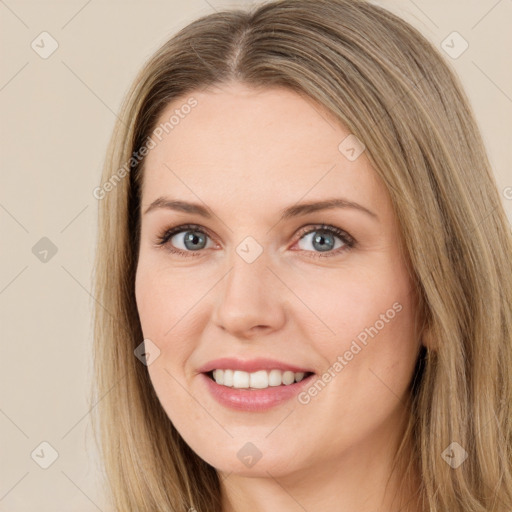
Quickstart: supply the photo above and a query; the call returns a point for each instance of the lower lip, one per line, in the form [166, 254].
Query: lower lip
[253, 399]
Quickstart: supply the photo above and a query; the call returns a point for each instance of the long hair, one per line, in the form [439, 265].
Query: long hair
[393, 90]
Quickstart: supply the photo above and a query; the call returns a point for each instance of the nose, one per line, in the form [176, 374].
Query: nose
[251, 299]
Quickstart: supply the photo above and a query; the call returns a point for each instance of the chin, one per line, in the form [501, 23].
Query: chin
[252, 459]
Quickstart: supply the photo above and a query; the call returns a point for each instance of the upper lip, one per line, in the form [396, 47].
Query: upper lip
[250, 365]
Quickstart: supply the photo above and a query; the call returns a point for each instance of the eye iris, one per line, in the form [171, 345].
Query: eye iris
[193, 238]
[321, 239]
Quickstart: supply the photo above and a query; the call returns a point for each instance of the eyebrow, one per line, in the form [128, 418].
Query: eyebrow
[292, 211]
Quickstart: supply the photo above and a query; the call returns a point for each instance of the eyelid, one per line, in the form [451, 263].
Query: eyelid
[340, 233]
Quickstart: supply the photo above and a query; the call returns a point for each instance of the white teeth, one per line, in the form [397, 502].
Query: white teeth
[299, 376]
[228, 377]
[275, 378]
[218, 376]
[260, 379]
[240, 379]
[288, 378]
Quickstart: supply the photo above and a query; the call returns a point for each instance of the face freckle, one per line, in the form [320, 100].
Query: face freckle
[255, 291]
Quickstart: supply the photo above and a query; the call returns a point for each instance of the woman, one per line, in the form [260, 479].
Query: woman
[303, 276]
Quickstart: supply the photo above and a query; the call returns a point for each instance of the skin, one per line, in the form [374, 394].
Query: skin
[247, 154]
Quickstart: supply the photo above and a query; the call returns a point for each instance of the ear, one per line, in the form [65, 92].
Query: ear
[428, 340]
[423, 323]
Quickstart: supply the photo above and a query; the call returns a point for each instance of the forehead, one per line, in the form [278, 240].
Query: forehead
[243, 142]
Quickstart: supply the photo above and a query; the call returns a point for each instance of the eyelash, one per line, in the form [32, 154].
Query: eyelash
[348, 240]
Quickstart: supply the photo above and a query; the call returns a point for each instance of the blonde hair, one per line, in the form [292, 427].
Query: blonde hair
[390, 87]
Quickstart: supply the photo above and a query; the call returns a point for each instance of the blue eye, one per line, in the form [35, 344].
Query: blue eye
[323, 239]
[194, 238]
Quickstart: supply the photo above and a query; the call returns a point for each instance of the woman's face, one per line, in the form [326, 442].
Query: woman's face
[265, 288]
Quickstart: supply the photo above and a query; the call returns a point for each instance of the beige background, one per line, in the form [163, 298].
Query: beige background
[56, 118]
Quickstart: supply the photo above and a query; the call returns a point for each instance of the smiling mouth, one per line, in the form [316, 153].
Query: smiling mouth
[261, 379]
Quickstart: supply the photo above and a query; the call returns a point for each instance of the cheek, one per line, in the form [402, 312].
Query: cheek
[369, 360]
[160, 300]
[171, 314]
[161, 305]
[377, 340]
[371, 345]
[351, 304]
